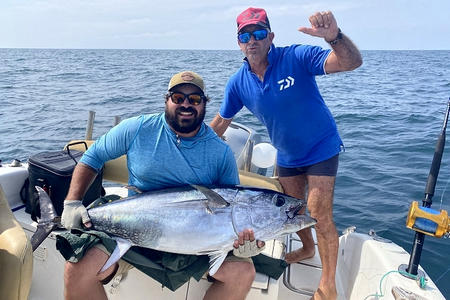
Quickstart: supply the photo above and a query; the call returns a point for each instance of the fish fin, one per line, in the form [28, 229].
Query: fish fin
[48, 212]
[216, 259]
[208, 209]
[214, 199]
[120, 250]
[133, 188]
[41, 233]
[48, 221]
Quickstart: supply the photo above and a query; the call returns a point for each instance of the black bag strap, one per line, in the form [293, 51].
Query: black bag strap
[73, 144]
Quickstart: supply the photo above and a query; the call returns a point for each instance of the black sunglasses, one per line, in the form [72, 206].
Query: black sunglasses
[193, 98]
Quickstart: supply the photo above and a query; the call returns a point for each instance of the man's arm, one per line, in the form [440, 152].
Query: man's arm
[345, 55]
[219, 124]
[82, 178]
[74, 212]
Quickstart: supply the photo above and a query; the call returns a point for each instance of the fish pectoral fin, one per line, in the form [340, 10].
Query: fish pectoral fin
[120, 250]
[214, 199]
[208, 209]
[216, 259]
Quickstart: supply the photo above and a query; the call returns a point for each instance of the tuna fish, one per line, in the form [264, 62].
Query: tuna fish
[195, 219]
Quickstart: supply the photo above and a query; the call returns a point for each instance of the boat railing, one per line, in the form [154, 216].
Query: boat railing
[288, 272]
[241, 140]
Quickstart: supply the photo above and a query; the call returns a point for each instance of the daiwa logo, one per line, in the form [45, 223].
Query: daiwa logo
[286, 83]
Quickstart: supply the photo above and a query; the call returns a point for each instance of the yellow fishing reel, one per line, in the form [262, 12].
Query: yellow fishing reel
[428, 221]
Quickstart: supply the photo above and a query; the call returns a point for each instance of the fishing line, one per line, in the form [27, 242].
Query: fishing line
[442, 275]
[443, 192]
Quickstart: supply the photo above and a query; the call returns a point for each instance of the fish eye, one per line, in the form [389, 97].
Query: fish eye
[279, 201]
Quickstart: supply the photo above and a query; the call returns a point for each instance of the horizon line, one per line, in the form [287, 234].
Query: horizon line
[175, 49]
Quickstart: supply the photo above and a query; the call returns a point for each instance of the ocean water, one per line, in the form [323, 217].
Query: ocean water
[389, 113]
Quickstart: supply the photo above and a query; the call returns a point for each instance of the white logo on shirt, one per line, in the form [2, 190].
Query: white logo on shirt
[286, 83]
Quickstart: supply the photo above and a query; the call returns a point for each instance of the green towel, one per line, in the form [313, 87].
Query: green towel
[170, 269]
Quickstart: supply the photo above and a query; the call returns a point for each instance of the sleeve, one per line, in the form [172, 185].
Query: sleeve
[229, 174]
[231, 103]
[113, 144]
[312, 58]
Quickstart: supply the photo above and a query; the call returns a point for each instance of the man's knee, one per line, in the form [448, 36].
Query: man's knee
[72, 271]
[237, 272]
[87, 268]
[249, 269]
[320, 206]
[244, 273]
[74, 277]
[325, 226]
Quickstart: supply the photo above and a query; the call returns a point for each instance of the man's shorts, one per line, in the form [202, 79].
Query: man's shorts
[327, 167]
[124, 267]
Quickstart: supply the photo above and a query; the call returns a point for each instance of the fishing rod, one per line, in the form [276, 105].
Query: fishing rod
[424, 220]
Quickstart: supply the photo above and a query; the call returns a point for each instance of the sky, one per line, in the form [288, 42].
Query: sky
[211, 24]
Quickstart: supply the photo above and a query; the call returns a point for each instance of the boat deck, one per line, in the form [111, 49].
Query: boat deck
[302, 277]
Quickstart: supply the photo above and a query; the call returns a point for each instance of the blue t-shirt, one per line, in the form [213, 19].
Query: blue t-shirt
[159, 158]
[288, 103]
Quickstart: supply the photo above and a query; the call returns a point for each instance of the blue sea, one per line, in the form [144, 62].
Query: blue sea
[389, 113]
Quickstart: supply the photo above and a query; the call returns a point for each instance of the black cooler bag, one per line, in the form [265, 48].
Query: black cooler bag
[53, 171]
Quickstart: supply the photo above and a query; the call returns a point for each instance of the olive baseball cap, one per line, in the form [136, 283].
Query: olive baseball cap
[187, 77]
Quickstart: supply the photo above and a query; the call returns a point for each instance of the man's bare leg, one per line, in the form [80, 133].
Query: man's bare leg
[295, 186]
[233, 281]
[320, 205]
[234, 278]
[81, 280]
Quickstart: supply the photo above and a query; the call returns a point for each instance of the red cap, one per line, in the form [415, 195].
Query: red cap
[253, 16]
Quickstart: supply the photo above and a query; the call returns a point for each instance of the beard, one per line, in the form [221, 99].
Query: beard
[185, 125]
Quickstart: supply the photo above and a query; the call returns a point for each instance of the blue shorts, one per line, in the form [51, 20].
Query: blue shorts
[327, 167]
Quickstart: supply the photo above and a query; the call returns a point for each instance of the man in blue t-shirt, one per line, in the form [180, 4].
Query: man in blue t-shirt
[277, 84]
[163, 150]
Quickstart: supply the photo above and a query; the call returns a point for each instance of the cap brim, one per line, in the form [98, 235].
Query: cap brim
[191, 83]
[253, 22]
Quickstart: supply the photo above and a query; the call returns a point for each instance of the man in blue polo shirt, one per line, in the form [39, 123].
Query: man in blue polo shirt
[163, 150]
[277, 84]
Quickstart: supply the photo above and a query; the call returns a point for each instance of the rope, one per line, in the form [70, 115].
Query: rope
[421, 281]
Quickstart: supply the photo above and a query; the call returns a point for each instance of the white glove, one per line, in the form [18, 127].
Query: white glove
[74, 214]
[249, 249]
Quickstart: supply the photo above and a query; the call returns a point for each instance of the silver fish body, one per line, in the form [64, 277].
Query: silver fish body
[185, 220]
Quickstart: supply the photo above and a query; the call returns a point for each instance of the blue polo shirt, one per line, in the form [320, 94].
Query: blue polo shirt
[158, 158]
[288, 103]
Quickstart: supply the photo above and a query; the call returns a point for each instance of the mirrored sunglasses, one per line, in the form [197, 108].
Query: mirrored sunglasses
[193, 98]
[245, 37]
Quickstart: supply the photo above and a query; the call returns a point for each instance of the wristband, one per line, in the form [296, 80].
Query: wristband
[336, 40]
